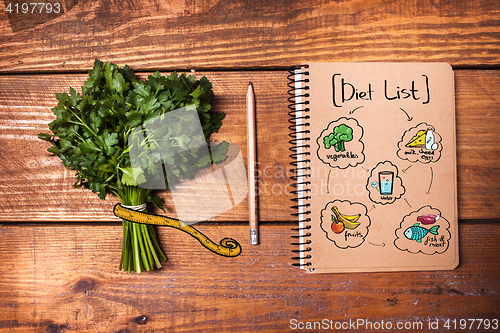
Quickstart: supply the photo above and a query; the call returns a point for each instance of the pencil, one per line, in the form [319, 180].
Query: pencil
[251, 157]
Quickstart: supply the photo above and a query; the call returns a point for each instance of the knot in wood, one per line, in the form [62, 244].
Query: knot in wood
[141, 320]
[85, 285]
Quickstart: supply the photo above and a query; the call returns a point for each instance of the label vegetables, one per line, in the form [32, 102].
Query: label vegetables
[90, 135]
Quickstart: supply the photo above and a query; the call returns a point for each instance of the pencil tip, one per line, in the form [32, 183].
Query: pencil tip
[249, 83]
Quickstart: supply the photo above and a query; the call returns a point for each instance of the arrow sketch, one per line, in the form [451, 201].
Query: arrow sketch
[373, 207]
[432, 176]
[328, 183]
[359, 107]
[383, 244]
[404, 170]
[409, 118]
[408, 203]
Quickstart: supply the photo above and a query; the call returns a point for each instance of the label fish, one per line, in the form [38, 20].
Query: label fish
[416, 232]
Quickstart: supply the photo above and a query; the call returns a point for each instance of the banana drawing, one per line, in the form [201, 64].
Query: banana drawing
[349, 221]
[227, 247]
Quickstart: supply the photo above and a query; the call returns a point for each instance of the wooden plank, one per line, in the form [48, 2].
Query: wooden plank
[65, 277]
[477, 148]
[35, 186]
[213, 34]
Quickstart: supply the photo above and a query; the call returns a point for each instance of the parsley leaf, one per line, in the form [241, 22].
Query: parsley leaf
[90, 136]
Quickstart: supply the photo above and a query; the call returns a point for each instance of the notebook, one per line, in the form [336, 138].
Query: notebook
[374, 166]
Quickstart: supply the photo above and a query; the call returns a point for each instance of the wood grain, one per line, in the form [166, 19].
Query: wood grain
[35, 186]
[57, 277]
[38, 188]
[478, 153]
[66, 277]
[221, 34]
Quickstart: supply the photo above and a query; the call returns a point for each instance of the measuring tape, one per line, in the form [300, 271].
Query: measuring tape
[228, 247]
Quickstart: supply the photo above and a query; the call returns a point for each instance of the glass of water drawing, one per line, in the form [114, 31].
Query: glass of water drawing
[385, 180]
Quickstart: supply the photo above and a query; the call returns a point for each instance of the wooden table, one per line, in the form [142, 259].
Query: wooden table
[60, 246]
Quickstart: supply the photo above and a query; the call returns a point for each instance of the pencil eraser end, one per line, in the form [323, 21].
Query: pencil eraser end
[253, 237]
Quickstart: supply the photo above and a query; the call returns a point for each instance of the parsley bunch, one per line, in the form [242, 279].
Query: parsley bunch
[91, 132]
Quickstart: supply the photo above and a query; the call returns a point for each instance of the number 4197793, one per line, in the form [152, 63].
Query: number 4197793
[33, 8]
[471, 324]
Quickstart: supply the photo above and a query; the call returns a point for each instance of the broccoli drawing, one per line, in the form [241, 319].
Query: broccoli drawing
[341, 133]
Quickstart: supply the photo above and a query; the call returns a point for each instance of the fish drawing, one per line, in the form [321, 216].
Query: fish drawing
[415, 232]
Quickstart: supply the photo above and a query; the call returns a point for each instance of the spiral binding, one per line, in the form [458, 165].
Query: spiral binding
[299, 147]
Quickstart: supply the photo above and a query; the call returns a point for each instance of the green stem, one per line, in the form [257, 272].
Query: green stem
[140, 247]
[125, 254]
[135, 250]
[145, 231]
[130, 260]
[81, 121]
[147, 244]
[156, 245]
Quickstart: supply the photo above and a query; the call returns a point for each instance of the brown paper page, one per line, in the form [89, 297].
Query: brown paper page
[383, 167]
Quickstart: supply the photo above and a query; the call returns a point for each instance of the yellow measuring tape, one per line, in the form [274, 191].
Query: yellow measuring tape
[228, 247]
